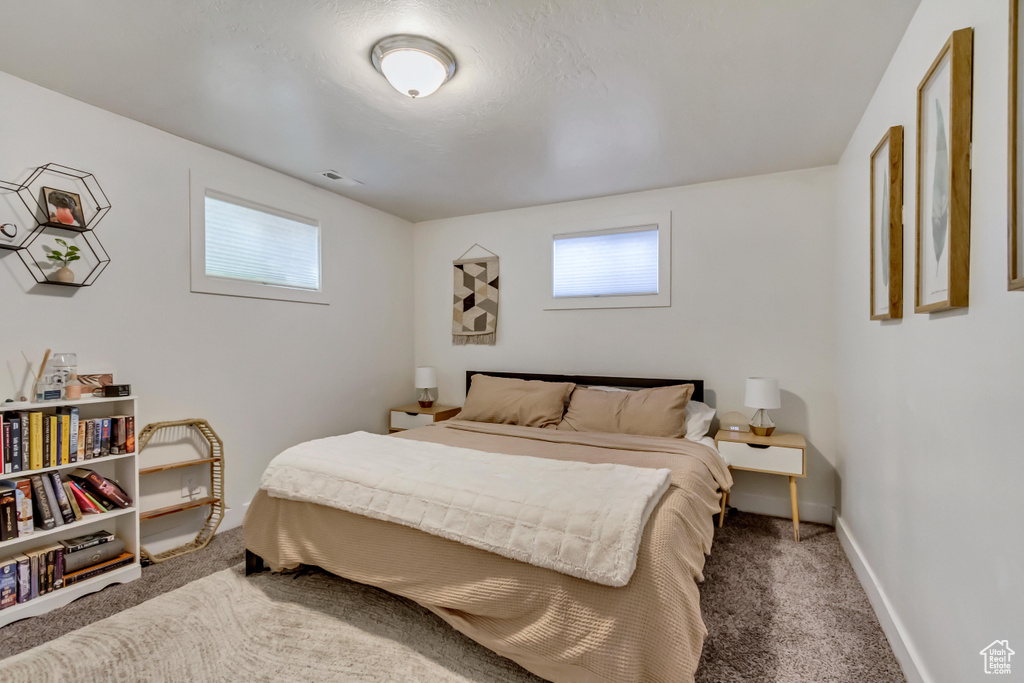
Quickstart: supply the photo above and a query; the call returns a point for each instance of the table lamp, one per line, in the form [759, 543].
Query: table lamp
[426, 379]
[762, 394]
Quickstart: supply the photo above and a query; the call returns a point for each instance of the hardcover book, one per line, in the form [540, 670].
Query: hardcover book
[97, 443]
[25, 448]
[51, 497]
[86, 503]
[35, 423]
[105, 488]
[24, 501]
[89, 557]
[105, 440]
[122, 560]
[49, 440]
[8, 514]
[90, 428]
[75, 508]
[130, 427]
[72, 414]
[41, 504]
[65, 439]
[33, 559]
[8, 583]
[118, 435]
[15, 423]
[72, 545]
[63, 504]
[5, 445]
[24, 578]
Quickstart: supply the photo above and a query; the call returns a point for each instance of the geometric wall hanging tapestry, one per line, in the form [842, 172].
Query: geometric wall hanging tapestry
[475, 314]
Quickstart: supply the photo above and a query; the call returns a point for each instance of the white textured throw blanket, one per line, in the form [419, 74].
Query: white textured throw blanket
[577, 518]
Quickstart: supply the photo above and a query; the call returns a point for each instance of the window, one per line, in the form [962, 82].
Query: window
[243, 248]
[618, 263]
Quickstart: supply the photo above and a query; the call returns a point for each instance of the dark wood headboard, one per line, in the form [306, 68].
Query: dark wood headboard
[630, 382]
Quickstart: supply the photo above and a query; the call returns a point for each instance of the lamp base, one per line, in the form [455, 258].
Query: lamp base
[761, 424]
[425, 398]
[425, 404]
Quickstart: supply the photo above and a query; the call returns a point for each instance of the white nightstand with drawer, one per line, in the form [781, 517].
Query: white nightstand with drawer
[413, 416]
[782, 454]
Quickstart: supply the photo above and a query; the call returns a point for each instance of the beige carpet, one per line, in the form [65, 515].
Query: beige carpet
[775, 611]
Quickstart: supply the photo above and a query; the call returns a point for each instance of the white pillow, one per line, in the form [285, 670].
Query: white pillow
[698, 420]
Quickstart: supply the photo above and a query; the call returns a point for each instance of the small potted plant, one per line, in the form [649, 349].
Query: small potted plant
[63, 274]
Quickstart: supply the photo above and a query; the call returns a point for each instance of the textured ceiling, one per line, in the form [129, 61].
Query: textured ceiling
[552, 100]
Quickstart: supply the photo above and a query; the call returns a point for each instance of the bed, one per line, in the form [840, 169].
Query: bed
[560, 627]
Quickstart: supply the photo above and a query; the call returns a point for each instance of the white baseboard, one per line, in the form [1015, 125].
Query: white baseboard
[908, 657]
[780, 507]
[233, 517]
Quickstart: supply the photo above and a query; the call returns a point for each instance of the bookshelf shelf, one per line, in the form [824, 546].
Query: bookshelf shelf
[123, 522]
[176, 465]
[188, 505]
[89, 520]
[64, 596]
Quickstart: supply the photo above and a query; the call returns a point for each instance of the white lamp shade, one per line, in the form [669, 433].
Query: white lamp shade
[763, 392]
[426, 377]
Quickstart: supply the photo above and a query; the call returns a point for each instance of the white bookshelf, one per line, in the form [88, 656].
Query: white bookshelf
[123, 523]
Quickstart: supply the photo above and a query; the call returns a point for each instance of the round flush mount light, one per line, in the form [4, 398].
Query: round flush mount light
[414, 66]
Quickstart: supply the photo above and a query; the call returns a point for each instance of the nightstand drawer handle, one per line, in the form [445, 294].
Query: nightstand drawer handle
[411, 413]
[758, 445]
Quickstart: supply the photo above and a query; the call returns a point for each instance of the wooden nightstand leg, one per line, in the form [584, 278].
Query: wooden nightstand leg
[721, 516]
[796, 512]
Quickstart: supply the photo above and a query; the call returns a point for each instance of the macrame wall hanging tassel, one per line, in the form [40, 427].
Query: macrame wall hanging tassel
[475, 312]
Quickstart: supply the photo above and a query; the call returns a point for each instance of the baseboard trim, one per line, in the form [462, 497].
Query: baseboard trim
[895, 631]
[780, 507]
[233, 517]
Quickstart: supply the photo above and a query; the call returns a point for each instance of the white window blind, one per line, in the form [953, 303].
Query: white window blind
[245, 243]
[607, 263]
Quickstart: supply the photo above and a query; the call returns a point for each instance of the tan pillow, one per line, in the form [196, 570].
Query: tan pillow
[528, 403]
[649, 412]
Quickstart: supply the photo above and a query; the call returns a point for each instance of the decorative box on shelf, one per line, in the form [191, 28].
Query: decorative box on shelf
[122, 522]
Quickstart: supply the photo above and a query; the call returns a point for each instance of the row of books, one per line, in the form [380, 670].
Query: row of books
[32, 440]
[48, 500]
[44, 570]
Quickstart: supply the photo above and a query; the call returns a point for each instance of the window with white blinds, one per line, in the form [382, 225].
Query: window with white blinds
[257, 246]
[611, 263]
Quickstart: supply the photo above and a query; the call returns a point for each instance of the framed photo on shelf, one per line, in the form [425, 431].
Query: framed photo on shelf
[1015, 225]
[63, 209]
[943, 222]
[887, 226]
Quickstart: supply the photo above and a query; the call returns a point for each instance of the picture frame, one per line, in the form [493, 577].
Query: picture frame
[1015, 226]
[63, 209]
[943, 188]
[887, 226]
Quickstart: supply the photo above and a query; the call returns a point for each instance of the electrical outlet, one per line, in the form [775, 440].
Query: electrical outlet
[189, 485]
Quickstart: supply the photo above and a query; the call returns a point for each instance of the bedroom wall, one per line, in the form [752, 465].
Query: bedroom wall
[751, 295]
[266, 374]
[929, 455]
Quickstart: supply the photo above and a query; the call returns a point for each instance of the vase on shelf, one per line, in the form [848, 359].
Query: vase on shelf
[64, 274]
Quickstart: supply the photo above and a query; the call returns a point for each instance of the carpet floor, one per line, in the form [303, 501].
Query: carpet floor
[775, 611]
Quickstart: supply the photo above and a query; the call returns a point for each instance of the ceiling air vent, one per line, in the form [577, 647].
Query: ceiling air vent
[338, 178]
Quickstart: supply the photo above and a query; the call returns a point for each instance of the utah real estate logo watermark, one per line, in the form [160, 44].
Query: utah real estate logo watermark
[997, 657]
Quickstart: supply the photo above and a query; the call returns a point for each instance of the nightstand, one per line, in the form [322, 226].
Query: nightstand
[413, 416]
[782, 454]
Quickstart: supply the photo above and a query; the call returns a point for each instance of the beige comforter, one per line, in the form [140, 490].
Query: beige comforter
[562, 628]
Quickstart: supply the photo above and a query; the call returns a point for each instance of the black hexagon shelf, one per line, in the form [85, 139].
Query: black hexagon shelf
[94, 256]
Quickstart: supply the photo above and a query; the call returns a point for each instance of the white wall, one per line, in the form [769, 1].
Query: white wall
[929, 453]
[266, 374]
[751, 295]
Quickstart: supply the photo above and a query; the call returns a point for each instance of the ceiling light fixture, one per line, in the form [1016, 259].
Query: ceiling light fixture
[414, 66]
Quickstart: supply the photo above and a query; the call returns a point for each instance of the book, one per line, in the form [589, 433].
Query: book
[25, 457]
[75, 508]
[87, 541]
[90, 427]
[24, 578]
[35, 424]
[24, 501]
[65, 438]
[100, 486]
[8, 513]
[15, 421]
[58, 566]
[62, 497]
[80, 453]
[5, 445]
[49, 439]
[80, 559]
[72, 414]
[118, 435]
[97, 439]
[8, 583]
[130, 428]
[33, 558]
[41, 504]
[51, 497]
[123, 560]
[105, 441]
[51, 568]
[85, 502]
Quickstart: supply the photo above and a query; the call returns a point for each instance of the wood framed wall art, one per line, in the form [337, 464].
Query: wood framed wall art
[943, 222]
[1015, 241]
[887, 226]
